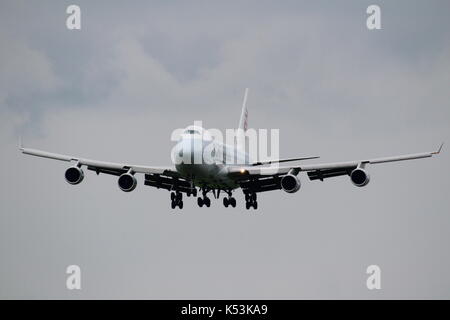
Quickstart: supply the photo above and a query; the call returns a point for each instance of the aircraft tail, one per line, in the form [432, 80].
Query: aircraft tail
[243, 123]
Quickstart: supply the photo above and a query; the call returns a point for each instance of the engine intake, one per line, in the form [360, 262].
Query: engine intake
[359, 177]
[290, 183]
[127, 182]
[74, 175]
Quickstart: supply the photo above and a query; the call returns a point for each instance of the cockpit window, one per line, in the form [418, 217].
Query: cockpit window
[192, 132]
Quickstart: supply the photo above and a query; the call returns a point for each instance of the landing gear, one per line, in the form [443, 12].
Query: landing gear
[251, 201]
[204, 201]
[229, 201]
[177, 200]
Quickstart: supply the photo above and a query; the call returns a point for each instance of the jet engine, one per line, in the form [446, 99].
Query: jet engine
[74, 175]
[127, 182]
[359, 177]
[290, 183]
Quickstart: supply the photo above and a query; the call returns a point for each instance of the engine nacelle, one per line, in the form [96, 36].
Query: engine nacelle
[359, 177]
[127, 182]
[74, 175]
[290, 183]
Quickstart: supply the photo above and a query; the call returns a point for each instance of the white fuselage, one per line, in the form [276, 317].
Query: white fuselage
[204, 161]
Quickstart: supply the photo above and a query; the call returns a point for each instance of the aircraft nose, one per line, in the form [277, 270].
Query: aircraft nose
[190, 151]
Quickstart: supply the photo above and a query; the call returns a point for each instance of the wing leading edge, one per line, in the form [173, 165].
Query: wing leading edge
[99, 166]
[323, 170]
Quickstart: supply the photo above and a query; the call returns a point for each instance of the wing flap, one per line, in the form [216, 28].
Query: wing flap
[168, 183]
[261, 184]
[99, 170]
[329, 173]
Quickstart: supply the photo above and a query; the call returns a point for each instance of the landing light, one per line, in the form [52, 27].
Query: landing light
[242, 171]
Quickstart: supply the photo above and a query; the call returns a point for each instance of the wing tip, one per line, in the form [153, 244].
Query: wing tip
[439, 150]
[20, 144]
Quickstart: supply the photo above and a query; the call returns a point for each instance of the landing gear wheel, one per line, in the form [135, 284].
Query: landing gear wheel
[255, 205]
[254, 197]
[173, 204]
[225, 202]
[180, 204]
[200, 202]
[172, 196]
[207, 201]
[247, 205]
[232, 202]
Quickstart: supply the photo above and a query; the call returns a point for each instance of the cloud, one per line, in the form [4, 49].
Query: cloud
[24, 72]
[115, 91]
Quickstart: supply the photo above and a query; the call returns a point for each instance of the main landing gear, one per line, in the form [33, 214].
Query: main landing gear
[177, 200]
[229, 201]
[204, 200]
[250, 201]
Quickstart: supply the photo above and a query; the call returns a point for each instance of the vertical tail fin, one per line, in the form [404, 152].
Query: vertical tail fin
[243, 124]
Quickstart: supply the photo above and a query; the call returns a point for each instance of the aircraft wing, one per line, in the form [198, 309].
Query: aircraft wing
[158, 177]
[328, 170]
[247, 175]
[100, 166]
[261, 163]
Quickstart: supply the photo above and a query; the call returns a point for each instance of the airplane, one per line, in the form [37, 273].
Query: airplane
[216, 174]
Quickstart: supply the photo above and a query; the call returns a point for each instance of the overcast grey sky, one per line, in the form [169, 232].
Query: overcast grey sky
[136, 70]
